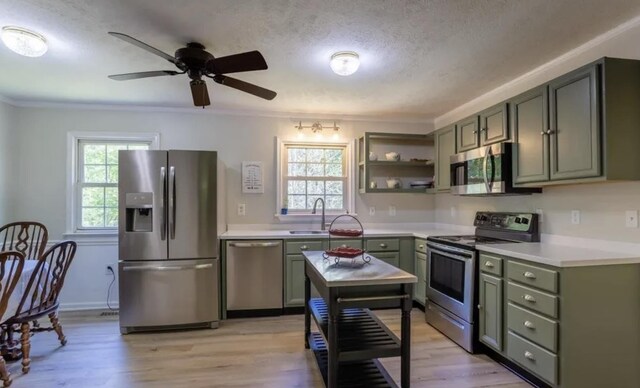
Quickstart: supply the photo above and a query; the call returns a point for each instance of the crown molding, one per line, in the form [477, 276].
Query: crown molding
[220, 111]
[457, 113]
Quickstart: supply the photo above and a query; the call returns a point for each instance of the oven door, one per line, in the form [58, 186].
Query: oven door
[450, 280]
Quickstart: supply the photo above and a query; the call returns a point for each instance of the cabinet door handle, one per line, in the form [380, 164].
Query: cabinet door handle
[421, 246]
[529, 298]
[549, 132]
[383, 245]
[304, 248]
[479, 307]
[475, 131]
[529, 325]
[543, 133]
[483, 129]
[488, 264]
[529, 275]
[528, 355]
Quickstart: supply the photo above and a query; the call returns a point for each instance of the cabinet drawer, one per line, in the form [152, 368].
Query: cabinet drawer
[383, 245]
[392, 258]
[491, 264]
[421, 246]
[295, 247]
[534, 327]
[539, 361]
[343, 243]
[533, 300]
[544, 279]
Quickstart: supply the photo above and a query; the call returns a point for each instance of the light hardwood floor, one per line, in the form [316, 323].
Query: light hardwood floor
[259, 352]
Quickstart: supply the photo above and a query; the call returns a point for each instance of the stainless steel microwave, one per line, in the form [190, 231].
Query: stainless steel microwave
[485, 171]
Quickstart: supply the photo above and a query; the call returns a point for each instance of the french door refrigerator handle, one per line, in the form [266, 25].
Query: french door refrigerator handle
[163, 214]
[172, 202]
[167, 268]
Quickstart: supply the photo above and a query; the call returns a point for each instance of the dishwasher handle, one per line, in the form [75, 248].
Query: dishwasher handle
[254, 244]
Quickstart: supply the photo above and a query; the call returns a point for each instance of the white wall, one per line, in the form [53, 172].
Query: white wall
[41, 139]
[602, 206]
[7, 123]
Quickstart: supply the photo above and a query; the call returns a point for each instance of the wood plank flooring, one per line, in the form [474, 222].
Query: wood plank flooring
[258, 352]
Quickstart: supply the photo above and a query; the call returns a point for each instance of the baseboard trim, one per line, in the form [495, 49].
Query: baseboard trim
[81, 306]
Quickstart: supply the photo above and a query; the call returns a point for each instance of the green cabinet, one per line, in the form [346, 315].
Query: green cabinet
[445, 140]
[579, 127]
[569, 326]
[294, 281]
[494, 125]
[529, 122]
[490, 311]
[467, 134]
[574, 132]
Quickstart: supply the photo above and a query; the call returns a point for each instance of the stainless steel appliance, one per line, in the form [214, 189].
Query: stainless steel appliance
[452, 272]
[485, 171]
[254, 277]
[168, 245]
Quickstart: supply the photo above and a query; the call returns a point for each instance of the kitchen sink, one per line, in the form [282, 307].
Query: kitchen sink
[308, 232]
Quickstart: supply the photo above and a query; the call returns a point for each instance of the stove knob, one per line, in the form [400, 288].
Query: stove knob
[518, 220]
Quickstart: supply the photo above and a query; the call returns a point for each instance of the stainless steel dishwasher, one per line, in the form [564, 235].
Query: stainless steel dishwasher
[254, 275]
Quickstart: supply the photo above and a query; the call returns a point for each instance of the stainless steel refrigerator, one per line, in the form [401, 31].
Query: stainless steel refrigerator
[168, 243]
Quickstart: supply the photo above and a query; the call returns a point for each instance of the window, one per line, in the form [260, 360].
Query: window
[94, 191]
[312, 171]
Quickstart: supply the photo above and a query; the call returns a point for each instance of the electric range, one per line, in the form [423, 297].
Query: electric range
[452, 272]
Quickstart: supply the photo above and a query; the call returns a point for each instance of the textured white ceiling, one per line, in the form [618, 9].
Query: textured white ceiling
[419, 59]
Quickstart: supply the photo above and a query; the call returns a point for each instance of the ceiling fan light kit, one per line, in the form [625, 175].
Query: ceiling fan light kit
[345, 62]
[23, 41]
[194, 61]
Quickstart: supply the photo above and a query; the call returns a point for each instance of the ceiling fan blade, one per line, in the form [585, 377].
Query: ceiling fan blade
[236, 63]
[144, 74]
[199, 93]
[245, 87]
[148, 48]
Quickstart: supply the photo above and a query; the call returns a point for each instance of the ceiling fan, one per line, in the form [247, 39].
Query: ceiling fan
[194, 61]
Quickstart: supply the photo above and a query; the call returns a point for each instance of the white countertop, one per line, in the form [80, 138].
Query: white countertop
[368, 232]
[561, 255]
[356, 272]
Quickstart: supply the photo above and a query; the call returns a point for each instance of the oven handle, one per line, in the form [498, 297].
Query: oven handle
[453, 251]
[454, 256]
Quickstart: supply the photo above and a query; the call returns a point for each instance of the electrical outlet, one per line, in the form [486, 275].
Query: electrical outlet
[242, 209]
[575, 217]
[372, 211]
[540, 215]
[109, 269]
[454, 212]
[392, 211]
[631, 218]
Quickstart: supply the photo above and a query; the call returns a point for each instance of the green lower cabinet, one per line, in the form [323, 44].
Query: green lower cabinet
[420, 293]
[392, 258]
[490, 308]
[294, 281]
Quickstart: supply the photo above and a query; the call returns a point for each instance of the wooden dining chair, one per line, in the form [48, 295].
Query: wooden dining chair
[40, 298]
[27, 237]
[11, 265]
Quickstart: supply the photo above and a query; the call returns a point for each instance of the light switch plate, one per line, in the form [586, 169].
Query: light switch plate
[242, 209]
[575, 217]
[631, 218]
[392, 211]
[372, 211]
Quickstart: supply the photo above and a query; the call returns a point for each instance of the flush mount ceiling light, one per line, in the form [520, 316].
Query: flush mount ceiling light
[345, 62]
[23, 41]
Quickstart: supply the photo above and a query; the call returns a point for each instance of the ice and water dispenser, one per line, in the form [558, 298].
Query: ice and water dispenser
[139, 212]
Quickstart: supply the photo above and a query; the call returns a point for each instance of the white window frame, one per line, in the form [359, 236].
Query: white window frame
[73, 143]
[350, 179]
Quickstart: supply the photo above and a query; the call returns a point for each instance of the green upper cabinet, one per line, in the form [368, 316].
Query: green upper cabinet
[468, 134]
[574, 132]
[581, 127]
[445, 139]
[530, 123]
[494, 125]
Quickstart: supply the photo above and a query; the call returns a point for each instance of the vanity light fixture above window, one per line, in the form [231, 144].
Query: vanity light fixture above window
[345, 62]
[24, 42]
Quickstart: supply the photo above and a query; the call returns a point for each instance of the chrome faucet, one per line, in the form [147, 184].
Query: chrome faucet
[315, 204]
